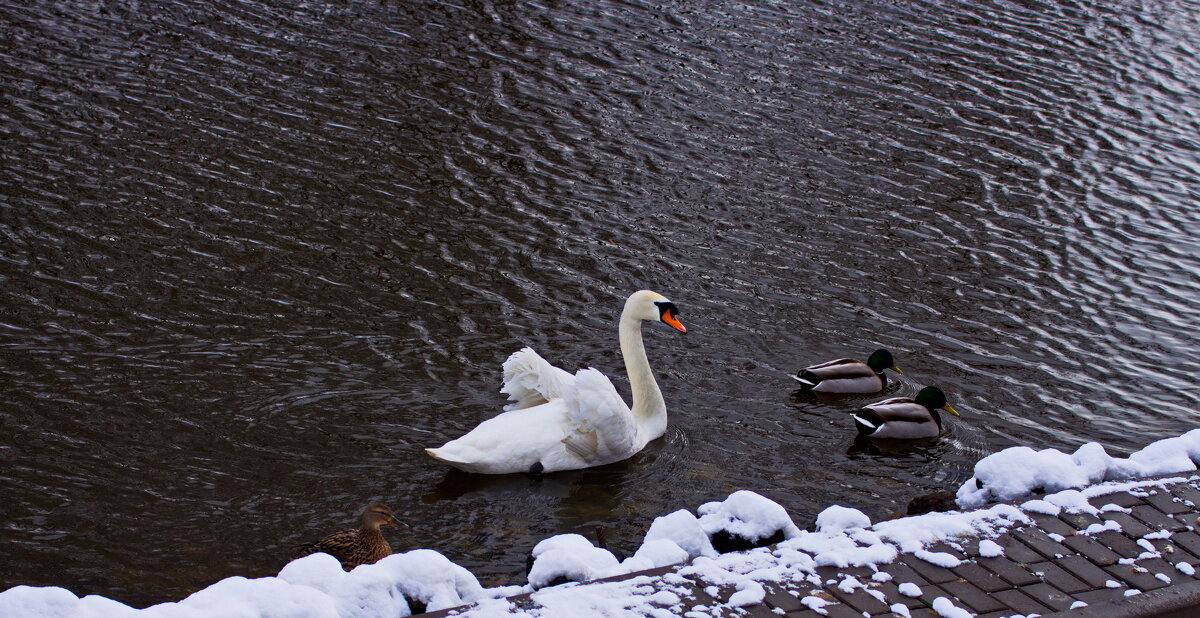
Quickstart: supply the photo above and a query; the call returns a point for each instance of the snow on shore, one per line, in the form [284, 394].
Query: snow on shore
[317, 587]
[1020, 470]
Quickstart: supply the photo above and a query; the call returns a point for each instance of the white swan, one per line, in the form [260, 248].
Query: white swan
[559, 421]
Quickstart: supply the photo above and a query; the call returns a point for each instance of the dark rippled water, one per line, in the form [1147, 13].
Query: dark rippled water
[254, 256]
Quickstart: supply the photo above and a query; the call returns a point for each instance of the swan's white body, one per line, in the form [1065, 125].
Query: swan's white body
[564, 421]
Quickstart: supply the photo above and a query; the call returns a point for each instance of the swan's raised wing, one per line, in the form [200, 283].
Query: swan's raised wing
[600, 427]
[530, 381]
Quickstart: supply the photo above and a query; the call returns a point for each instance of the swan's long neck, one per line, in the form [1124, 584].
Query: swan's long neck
[648, 406]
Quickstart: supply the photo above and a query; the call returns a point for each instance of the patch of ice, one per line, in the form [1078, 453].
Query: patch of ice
[901, 609]
[909, 589]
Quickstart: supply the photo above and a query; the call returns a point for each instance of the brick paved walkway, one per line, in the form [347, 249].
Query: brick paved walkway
[1046, 568]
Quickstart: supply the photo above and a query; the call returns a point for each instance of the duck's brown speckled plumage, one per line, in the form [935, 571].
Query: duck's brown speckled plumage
[365, 545]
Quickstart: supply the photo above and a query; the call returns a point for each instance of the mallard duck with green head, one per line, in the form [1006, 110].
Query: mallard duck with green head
[848, 375]
[905, 418]
[364, 545]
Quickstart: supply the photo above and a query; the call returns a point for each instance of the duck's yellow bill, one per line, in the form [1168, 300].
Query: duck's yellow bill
[949, 408]
[896, 369]
[673, 322]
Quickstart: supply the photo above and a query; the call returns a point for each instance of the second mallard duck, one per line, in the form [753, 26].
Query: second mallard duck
[365, 545]
[848, 375]
[905, 418]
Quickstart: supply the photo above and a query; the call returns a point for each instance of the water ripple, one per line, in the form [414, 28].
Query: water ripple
[257, 255]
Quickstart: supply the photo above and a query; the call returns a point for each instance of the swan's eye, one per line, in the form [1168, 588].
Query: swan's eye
[667, 310]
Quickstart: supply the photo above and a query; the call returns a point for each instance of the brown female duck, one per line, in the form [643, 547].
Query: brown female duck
[366, 545]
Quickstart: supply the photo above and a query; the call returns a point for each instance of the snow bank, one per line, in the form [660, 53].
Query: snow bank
[838, 517]
[569, 557]
[747, 515]
[317, 587]
[1020, 470]
[684, 530]
[312, 587]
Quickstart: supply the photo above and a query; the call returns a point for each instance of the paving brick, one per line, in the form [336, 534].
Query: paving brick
[981, 577]
[1042, 544]
[1017, 551]
[901, 573]
[859, 600]
[1010, 571]
[1180, 576]
[931, 572]
[1189, 541]
[1159, 565]
[1134, 577]
[1130, 526]
[972, 597]
[1173, 554]
[1189, 520]
[838, 610]
[783, 600]
[1082, 568]
[1079, 521]
[1102, 595]
[1058, 577]
[1048, 595]
[892, 592]
[929, 592]
[1095, 551]
[1120, 543]
[758, 611]
[1020, 602]
[1166, 502]
[1157, 520]
[1119, 498]
[698, 596]
[1187, 493]
[1052, 524]
[827, 573]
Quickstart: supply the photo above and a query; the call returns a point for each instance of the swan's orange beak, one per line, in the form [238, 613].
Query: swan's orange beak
[673, 322]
